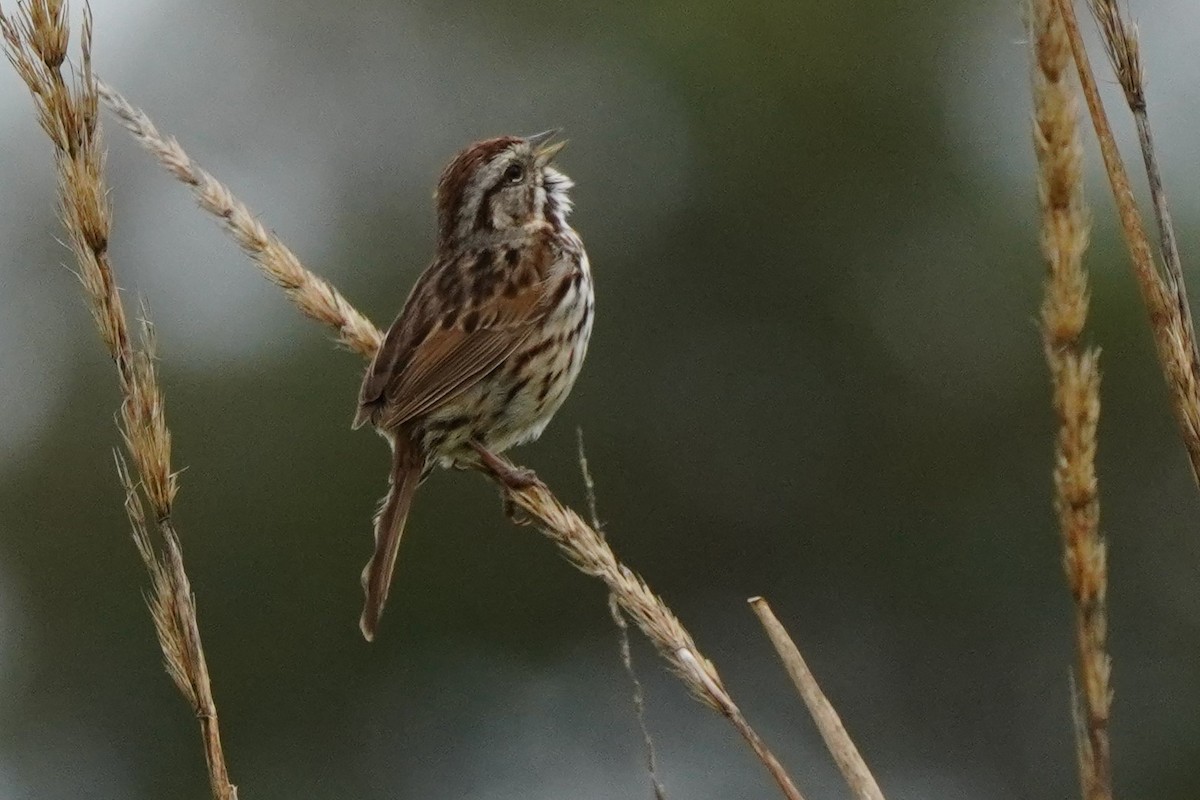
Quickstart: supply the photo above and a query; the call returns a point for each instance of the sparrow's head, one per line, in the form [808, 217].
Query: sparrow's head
[502, 183]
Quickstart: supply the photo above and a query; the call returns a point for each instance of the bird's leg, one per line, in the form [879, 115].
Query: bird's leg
[514, 479]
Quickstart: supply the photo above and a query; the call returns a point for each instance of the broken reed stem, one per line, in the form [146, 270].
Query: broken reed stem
[35, 42]
[618, 618]
[1165, 301]
[1075, 381]
[854, 769]
[585, 548]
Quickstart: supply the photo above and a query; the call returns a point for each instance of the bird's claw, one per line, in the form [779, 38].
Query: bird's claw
[515, 515]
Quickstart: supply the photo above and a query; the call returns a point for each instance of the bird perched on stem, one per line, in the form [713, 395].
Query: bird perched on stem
[491, 338]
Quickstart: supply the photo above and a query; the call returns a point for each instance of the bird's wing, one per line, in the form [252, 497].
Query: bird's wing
[437, 349]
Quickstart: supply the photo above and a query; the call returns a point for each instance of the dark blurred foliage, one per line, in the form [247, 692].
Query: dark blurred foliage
[815, 376]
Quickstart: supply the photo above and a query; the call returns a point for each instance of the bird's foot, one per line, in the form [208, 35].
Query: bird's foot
[512, 478]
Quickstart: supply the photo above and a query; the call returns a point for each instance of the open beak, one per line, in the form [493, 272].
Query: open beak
[544, 148]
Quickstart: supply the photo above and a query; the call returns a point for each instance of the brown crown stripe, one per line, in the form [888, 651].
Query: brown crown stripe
[454, 182]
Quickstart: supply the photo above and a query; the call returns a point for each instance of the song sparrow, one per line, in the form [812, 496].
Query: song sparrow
[491, 337]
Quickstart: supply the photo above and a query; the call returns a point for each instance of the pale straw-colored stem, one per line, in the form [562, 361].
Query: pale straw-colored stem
[854, 769]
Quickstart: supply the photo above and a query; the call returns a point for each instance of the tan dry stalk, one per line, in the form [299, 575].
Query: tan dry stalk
[1075, 380]
[618, 618]
[1174, 337]
[1125, 57]
[315, 296]
[854, 769]
[584, 547]
[35, 42]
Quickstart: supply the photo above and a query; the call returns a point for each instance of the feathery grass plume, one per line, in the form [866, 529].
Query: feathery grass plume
[1165, 299]
[35, 42]
[315, 296]
[584, 547]
[1125, 57]
[618, 618]
[854, 769]
[1075, 381]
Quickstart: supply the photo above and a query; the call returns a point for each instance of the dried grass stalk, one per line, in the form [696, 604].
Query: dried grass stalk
[35, 42]
[315, 296]
[1165, 298]
[584, 547]
[1125, 56]
[854, 769]
[618, 618]
[1075, 381]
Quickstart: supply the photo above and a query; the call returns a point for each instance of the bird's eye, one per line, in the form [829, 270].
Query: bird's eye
[514, 174]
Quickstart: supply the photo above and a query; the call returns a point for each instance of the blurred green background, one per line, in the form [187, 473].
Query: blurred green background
[815, 376]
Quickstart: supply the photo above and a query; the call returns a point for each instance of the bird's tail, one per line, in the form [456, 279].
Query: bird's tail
[407, 465]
